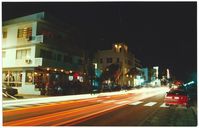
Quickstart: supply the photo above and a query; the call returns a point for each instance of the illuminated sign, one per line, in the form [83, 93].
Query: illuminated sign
[70, 78]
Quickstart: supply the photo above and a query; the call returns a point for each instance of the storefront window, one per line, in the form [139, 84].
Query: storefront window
[29, 77]
[12, 79]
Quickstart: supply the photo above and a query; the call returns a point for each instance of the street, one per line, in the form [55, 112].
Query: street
[143, 108]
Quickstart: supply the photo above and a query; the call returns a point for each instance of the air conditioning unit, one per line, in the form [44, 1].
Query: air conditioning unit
[36, 39]
[39, 38]
[28, 61]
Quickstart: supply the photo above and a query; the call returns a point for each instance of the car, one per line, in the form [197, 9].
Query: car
[177, 98]
[9, 90]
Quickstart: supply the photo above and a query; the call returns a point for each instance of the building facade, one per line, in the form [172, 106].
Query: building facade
[37, 51]
[119, 55]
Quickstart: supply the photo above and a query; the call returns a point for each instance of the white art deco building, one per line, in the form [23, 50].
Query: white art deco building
[34, 49]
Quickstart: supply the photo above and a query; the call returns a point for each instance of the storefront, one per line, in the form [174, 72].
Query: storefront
[20, 78]
[40, 80]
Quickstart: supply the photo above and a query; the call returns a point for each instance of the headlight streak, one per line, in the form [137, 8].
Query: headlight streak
[79, 114]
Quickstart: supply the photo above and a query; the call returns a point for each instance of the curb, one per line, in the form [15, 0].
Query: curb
[194, 109]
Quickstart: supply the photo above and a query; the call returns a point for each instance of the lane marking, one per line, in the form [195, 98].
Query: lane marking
[136, 103]
[150, 104]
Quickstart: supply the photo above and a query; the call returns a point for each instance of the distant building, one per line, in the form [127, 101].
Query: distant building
[119, 55]
[145, 74]
[36, 51]
[154, 76]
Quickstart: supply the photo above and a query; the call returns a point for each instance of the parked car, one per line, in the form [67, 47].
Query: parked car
[9, 90]
[177, 98]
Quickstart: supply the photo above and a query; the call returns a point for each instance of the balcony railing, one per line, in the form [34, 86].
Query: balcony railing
[37, 39]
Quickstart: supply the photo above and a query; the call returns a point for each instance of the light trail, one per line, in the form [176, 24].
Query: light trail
[57, 114]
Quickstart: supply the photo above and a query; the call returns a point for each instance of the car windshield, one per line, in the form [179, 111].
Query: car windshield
[177, 92]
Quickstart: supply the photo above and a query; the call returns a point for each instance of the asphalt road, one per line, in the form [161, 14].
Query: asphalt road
[148, 112]
[145, 108]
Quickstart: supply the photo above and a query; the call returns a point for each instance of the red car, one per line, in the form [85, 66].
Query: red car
[177, 97]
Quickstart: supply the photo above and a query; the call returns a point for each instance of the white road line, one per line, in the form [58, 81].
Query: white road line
[150, 104]
[136, 103]
[109, 101]
[122, 102]
[164, 106]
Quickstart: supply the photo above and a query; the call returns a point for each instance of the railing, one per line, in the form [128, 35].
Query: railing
[38, 62]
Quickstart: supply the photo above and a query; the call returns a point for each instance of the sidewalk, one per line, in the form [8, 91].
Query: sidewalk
[24, 96]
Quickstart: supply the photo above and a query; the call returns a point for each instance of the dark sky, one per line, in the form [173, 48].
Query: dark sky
[162, 34]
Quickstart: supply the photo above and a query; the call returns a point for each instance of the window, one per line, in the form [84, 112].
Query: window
[101, 60]
[126, 61]
[67, 59]
[22, 54]
[129, 62]
[120, 50]
[80, 62]
[24, 32]
[109, 60]
[3, 54]
[118, 60]
[12, 79]
[4, 34]
[59, 57]
[29, 77]
[46, 54]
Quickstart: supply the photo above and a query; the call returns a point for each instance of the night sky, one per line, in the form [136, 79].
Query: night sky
[162, 34]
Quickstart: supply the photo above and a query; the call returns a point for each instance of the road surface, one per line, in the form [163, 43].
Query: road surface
[144, 108]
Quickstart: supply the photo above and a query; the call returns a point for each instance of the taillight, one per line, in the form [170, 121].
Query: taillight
[177, 98]
[184, 98]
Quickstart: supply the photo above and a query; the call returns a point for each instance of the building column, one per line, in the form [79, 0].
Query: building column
[23, 77]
